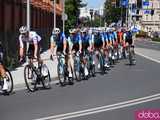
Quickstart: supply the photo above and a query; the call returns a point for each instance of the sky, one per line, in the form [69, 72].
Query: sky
[94, 3]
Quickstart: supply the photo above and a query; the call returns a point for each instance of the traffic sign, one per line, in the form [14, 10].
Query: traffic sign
[64, 16]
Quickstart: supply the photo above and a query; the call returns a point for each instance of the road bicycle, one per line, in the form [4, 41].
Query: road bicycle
[80, 66]
[62, 70]
[131, 55]
[101, 61]
[36, 75]
[9, 80]
[91, 64]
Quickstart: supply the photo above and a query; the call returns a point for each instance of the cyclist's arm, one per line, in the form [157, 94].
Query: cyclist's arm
[21, 48]
[35, 42]
[80, 45]
[52, 42]
[64, 44]
[103, 42]
[35, 50]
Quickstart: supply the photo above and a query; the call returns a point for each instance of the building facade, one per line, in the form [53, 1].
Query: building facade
[13, 16]
[150, 20]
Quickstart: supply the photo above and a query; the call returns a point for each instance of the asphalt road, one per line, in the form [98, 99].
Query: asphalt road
[122, 83]
[148, 44]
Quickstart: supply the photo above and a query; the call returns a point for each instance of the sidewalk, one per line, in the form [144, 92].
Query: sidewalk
[18, 73]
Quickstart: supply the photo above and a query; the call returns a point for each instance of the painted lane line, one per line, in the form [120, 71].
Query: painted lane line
[147, 57]
[103, 108]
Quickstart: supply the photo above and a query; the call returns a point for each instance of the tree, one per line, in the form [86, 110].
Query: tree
[72, 10]
[112, 12]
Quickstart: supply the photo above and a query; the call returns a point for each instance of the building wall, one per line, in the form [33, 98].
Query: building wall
[13, 15]
[149, 22]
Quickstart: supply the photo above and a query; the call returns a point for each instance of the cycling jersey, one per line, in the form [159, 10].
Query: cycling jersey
[86, 41]
[111, 37]
[77, 39]
[106, 37]
[129, 37]
[115, 35]
[59, 41]
[34, 38]
[53, 39]
[98, 40]
[120, 37]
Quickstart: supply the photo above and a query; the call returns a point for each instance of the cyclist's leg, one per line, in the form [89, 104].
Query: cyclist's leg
[70, 64]
[3, 74]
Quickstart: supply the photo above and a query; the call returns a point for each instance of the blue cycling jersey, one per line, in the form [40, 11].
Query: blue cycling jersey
[110, 36]
[85, 38]
[102, 37]
[115, 34]
[77, 38]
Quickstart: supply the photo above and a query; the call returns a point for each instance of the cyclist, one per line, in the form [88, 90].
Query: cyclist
[70, 42]
[130, 42]
[129, 37]
[34, 43]
[99, 43]
[2, 69]
[53, 42]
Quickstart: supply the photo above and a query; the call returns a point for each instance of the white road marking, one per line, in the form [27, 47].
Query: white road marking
[103, 108]
[147, 57]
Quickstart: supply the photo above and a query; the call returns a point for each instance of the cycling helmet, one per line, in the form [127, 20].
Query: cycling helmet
[72, 31]
[23, 29]
[56, 31]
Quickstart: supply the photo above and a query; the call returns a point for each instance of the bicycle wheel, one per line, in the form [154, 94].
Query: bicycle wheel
[30, 78]
[46, 79]
[130, 57]
[61, 74]
[9, 81]
[77, 69]
[93, 70]
[101, 60]
[91, 67]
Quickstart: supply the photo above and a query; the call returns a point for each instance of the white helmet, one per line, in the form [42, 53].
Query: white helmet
[23, 29]
[72, 31]
[56, 31]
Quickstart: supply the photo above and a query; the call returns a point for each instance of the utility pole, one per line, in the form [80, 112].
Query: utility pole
[54, 14]
[28, 20]
[63, 14]
[28, 15]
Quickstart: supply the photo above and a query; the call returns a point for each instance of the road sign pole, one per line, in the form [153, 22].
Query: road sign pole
[54, 14]
[28, 20]
[63, 15]
[28, 14]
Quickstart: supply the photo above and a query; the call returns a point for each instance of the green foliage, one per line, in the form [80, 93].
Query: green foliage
[142, 34]
[112, 13]
[156, 39]
[72, 10]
